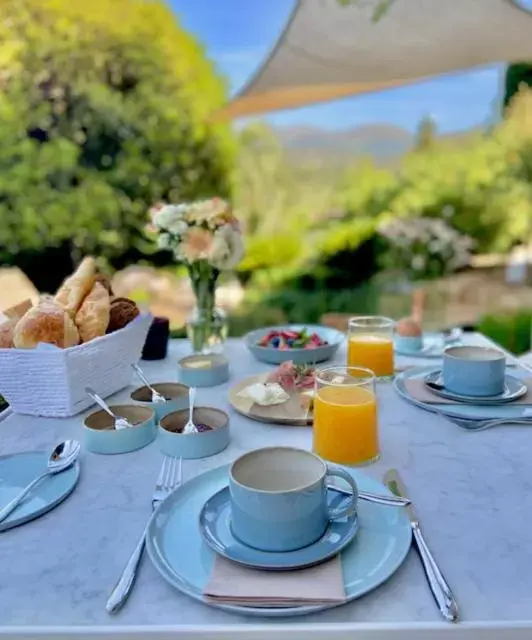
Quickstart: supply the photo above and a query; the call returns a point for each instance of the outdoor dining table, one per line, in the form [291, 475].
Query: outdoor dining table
[472, 492]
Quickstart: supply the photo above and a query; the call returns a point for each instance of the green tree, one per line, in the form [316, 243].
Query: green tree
[426, 134]
[517, 75]
[103, 111]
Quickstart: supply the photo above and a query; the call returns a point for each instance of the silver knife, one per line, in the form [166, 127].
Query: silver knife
[438, 585]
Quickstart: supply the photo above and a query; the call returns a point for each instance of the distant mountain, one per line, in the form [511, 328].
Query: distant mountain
[382, 142]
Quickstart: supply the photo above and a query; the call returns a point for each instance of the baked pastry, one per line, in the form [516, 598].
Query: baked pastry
[123, 311]
[92, 319]
[74, 289]
[47, 322]
[18, 310]
[7, 329]
[105, 281]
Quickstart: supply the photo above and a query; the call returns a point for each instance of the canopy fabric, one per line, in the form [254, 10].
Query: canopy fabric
[329, 51]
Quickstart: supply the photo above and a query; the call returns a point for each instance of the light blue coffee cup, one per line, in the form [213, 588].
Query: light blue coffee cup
[474, 371]
[279, 498]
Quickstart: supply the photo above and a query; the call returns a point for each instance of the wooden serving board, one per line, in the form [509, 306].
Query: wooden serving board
[288, 413]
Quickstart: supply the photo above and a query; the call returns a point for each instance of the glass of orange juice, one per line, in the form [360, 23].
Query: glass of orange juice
[370, 344]
[345, 416]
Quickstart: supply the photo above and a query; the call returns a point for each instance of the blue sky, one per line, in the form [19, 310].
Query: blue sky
[237, 34]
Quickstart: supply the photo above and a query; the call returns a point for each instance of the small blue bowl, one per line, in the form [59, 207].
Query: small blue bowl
[408, 344]
[271, 355]
[213, 370]
[194, 445]
[176, 398]
[100, 436]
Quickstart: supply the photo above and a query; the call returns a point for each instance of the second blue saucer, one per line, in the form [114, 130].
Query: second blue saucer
[215, 526]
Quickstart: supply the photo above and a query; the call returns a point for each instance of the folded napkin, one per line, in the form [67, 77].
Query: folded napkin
[234, 584]
[417, 389]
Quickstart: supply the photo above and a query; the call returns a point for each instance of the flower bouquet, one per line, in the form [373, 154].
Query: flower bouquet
[205, 236]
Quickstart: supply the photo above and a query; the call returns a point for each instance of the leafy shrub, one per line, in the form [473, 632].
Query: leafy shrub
[103, 111]
[511, 331]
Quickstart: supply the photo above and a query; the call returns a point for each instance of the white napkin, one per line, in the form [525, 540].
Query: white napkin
[231, 583]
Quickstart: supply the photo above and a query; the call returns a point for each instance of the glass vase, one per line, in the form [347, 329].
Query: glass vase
[207, 329]
[207, 325]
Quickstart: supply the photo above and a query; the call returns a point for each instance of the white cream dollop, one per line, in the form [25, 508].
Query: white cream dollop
[265, 394]
[157, 399]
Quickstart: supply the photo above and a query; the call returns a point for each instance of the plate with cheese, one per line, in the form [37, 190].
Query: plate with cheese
[283, 396]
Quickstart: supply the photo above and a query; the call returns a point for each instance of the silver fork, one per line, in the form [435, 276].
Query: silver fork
[481, 425]
[169, 478]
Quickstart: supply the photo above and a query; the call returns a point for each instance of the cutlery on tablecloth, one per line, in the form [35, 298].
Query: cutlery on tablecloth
[440, 589]
[475, 424]
[62, 457]
[169, 478]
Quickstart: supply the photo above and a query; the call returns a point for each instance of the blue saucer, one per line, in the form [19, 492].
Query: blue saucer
[214, 522]
[514, 389]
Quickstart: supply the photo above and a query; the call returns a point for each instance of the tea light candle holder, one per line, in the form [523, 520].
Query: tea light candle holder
[203, 370]
[173, 442]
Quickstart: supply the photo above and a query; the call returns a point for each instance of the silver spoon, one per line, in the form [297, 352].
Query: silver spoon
[120, 423]
[190, 427]
[155, 395]
[62, 457]
[389, 501]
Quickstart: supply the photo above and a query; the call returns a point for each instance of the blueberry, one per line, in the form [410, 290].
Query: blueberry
[275, 342]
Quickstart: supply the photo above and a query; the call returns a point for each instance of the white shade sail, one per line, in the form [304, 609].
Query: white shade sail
[329, 51]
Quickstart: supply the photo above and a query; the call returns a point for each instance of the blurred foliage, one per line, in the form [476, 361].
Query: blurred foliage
[103, 111]
[511, 331]
[317, 231]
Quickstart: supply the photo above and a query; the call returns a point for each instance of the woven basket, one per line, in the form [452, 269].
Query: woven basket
[48, 381]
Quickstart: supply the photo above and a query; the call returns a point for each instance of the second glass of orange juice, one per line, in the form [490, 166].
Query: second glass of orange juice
[345, 416]
[370, 344]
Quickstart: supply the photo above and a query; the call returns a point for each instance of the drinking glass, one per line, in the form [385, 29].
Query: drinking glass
[370, 344]
[345, 416]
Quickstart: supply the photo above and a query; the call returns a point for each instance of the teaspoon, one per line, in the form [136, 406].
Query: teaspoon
[155, 395]
[62, 457]
[120, 423]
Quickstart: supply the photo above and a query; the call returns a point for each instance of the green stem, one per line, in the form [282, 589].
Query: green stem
[203, 279]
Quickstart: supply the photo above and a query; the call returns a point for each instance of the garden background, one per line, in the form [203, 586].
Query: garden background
[105, 109]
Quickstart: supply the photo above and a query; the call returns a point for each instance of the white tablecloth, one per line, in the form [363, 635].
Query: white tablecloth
[473, 492]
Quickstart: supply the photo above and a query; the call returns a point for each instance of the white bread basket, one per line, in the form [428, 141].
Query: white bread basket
[48, 381]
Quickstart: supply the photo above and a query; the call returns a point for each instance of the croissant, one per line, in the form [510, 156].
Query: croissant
[47, 322]
[74, 289]
[93, 316]
[7, 329]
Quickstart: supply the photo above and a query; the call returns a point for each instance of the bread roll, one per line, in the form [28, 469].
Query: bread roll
[74, 289]
[123, 311]
[7, 329]
[93, 316]
[47, 322]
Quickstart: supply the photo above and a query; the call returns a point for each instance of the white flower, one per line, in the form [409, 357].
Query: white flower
[208, 210]
[164, 241]
[169, 215]
[177, 227]
[227, 248]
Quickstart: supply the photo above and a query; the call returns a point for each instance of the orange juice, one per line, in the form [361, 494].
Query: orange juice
[345, 425]
[371, 352]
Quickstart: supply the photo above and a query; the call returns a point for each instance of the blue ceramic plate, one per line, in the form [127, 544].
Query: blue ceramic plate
[475, 412]
[381, 545]
[433, 347]
[514, 389]
[17, 471]
[299, 356]
[215, 526]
